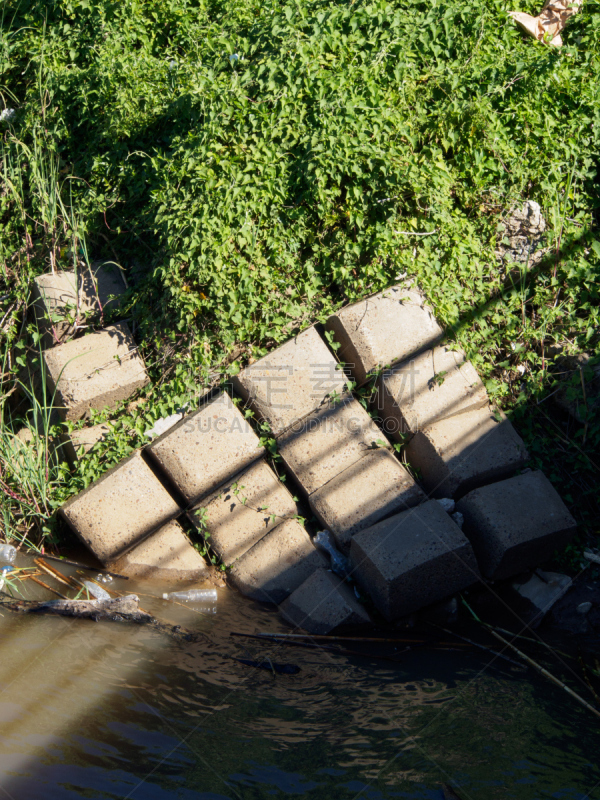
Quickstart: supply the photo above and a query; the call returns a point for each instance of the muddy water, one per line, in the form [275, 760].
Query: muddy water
[108, 710]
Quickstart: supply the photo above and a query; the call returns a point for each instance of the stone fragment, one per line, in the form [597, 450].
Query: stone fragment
[243, 511]
[413, 559]
[522, 235]
[277, 564]
[165, 555]
[330, 439]
[65, 301]
[543, 590]
[435, 385]
[364, 493]
[206, 449]
[459, 453]
[96, 371]
[79, 443]
[391, 326]
[292, 381]
[120, 509]
[322, 603]
[584, 608]
[515, 524]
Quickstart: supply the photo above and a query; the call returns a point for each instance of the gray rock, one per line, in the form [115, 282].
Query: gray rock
[522, 236]
[584, 608]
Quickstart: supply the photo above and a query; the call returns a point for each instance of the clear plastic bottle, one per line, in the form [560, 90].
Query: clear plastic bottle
[193, 596]
[8, 553]
[96, 591]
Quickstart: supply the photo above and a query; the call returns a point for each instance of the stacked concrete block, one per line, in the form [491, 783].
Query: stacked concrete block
[65, 300]
[120, 509]
[328, 441]
[433, 386]
[464, 451]
[243, 511]
[292, 381]
[515, 524]
[323, 603]
[206, 449]
[369, 490]
[79, 443]
[166, 555]
[96, 371]
[389, 327]
[413, 559]
[277, 565]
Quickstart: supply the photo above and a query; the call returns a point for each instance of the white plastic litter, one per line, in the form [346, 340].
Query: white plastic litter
[96, 591]
[339, 563]
[448, 504]
[8, 553]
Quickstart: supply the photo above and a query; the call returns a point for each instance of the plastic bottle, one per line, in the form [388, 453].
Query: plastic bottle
[193, 596]
[339, 563]
[8, 553]
[96, 591]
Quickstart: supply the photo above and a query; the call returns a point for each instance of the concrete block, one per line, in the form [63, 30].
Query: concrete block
[165, 555]
[206, 449]
[277, 564]
[433, 386]
[243, 511]
[63, 300]
[121, 508]
[465, 451]
[391, 326]
[515, 524]
[412, 560]
[322, 445]
[322, 603]
[96, 371]
[292, 381]
[371, 489]
[84, 438]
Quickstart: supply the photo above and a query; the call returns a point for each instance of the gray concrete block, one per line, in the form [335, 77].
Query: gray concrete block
[63, 300]
[465, 451]
[243, 511]
[79, 443]
[329, 440]
[277, 564]
[389, 327]
[121, 508]
[166, 555]
[292, 381]
[364, 493]
[322, 603]
[206, 449]
[412, 560]
[516, 524]
[96, 371]
[433, 386]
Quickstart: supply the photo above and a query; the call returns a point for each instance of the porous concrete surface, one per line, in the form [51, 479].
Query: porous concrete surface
[64, 299]
[322, 603]
[292, 381]
[84, 438]
[165, 555]
[413, 559]
[243, 511]
[322, 445]
[96, 371]
[277, 564]
[121, 508]
[433, 386]
[364, 493]
[389, 327]
[465, 451]
[515, 524]
[206, 449]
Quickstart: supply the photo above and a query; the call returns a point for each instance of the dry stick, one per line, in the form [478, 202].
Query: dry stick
[482, 647]
[54, 573]
[49, 588]
[591, 556]
[320, 637]
[545, 673]
[585, 427]
[87, 569]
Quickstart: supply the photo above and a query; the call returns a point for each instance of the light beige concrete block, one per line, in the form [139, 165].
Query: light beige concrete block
[96, 371]
[292, 381]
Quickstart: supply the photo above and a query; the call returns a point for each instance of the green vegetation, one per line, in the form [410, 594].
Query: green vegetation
[255, 165]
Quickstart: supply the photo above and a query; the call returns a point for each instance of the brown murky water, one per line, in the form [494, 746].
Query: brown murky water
[108, 710]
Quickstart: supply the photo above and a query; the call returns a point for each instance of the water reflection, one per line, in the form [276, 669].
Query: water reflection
[103, 710]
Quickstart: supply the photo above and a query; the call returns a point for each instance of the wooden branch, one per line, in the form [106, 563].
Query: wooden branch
[120, 609]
